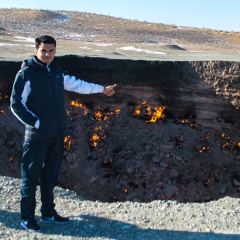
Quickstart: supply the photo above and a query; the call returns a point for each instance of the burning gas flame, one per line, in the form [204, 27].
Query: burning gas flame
[80, 105]
[183, 121]
[207, 136]
[105, 118]
[67, 142]
[137, 111]
[94, 139]
[155, 114]
[203, 149]
[98, 114]
[158, 114]
[97, 128]
[66, 138]
[225, 145]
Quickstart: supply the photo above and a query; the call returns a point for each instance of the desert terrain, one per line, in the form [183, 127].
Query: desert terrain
[86, 34]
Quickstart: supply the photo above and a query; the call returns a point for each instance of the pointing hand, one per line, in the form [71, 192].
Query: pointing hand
[109, 90]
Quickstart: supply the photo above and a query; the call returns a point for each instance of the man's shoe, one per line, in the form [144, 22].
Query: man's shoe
[30, 224]
[55, 218]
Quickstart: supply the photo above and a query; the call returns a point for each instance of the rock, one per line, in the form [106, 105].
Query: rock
[236, 183]
[156, 159]
[170, 190]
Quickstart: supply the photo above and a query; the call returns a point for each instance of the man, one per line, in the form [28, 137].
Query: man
[37, 100]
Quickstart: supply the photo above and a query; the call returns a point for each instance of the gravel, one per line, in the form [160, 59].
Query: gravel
[121, 220]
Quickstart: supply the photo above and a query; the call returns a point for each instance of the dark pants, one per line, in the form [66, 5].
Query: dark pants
[41, 162]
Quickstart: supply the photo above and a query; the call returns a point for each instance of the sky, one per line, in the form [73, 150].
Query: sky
[212, 14]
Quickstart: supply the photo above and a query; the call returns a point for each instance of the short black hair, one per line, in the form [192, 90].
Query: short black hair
[44, 39]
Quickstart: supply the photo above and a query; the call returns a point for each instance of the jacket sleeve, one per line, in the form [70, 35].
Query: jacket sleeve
[20, 92]
[73, 84]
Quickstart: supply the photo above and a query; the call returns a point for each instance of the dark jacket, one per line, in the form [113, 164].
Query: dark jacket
[37, 98]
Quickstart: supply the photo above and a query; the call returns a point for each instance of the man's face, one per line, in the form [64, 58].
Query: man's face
[46, 52]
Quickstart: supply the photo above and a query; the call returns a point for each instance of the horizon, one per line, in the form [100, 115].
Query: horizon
[219, 15]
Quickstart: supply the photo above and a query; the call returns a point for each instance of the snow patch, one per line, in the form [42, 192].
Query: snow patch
[20, 39]
[131, 48]
[9, 44]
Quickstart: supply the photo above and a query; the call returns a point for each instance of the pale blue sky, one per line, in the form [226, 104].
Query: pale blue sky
[213, 14]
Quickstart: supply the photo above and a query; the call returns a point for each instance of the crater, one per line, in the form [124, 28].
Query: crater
[171, 131]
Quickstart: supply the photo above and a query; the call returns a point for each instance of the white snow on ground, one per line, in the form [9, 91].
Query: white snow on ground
[130, 48]
[84, 47]
[29, 45]
[21, 39]
[103, 44]
[9, 44]
[75, 35]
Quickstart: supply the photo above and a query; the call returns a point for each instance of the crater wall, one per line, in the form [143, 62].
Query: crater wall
[207, 90]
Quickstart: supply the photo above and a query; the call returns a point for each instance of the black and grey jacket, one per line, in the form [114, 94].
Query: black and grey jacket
[37, 98]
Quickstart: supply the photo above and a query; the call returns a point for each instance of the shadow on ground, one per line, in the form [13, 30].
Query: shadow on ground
[89, 226]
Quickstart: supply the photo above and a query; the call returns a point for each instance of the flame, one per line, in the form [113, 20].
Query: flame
[76, 104]
[207, 136]
[66, 138]
[154, 115]
[225, 145]
[67, 141]
[158, 114]
[97, 128]
[94, 139]
[148, 109]
[202, 150]
[80, 105]
[117, 111]
[125, 190]
[183, 121]
[98, 114]
[137, 111]
[238, 144]
[2, 111]
[11, 159]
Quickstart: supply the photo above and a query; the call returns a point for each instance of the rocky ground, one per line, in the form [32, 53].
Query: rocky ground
[162, 220]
